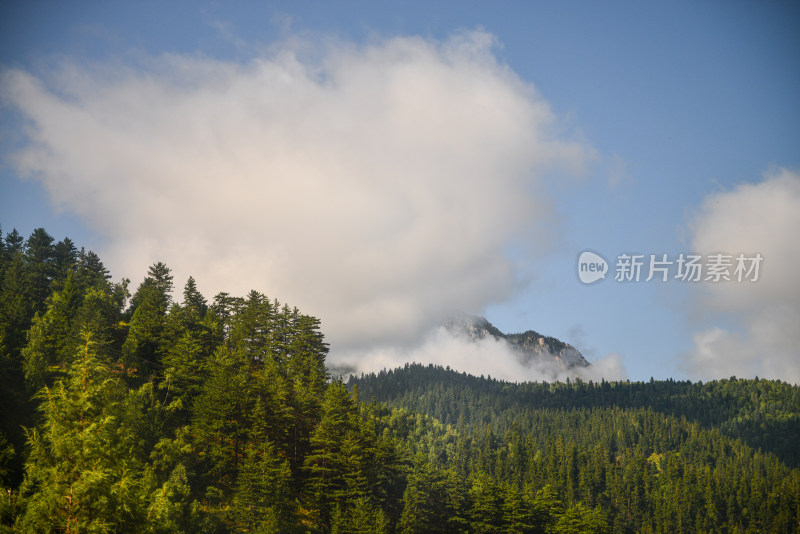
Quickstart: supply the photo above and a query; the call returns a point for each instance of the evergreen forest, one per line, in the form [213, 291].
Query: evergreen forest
[156, 410]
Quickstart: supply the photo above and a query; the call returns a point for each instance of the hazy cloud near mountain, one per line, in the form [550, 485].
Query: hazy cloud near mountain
[378, 187]
[487, 356]
[753, 218]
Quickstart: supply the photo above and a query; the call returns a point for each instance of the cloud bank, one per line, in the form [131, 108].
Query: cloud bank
[485, 356]
[378, 187]
[753, 218]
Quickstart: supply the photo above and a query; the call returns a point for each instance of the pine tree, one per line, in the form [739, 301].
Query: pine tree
[158, 279]
[54, 335]
[308, 375]
[83, 472]
[578, 519]
[65, 260]
[516, 512]
[39, 259]
[13, 243]
[53, 338]
[186, 356]
[16, 311]
[432, 501]
[487, 504]
[90, 271]
[141, 348]
[359, 516]
[334, 463]
[171, 510]
[193, 301]
[263, 492]
[219, 419]
[16, 308]
[547, 507]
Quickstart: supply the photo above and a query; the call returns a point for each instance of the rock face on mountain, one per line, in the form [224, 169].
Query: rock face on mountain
[532, 348]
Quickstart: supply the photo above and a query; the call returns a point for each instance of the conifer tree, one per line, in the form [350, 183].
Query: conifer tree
[578, 519]
[13, 243]
[141, 348]
[171, 510]
[433, 501]
[39, 259]
[516, 511]
[65, 259]
[16, 311]
[90, 271]
[263, 493]
[52, 339]
[193, 301]
[16, 308]
[188, 347]
[83, 472]
[334, 462]
[359, 516]
[308, 375]
[54, 335]
[486, 504]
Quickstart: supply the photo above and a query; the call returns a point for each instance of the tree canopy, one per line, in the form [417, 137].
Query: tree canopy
[139, 413]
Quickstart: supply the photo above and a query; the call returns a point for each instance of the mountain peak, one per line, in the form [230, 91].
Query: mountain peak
[531, 347]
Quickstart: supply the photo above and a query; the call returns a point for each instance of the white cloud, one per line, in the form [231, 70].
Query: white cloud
[377, 187]
[608, 367]
[486, 356]
[760, 218]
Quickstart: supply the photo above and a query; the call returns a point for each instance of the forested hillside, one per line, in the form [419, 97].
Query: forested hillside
[765, 414]
[662, 456]
[142, 411]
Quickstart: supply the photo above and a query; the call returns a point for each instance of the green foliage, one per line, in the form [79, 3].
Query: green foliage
[171, 510]
[765, 414]
[263, 495]
[39, 259]
[580, 520]
[486, 511]
[81, 474]
[359, 516]
[630, 468]
[141, 347]
[433, 500]
[55, 335]
[188, 417]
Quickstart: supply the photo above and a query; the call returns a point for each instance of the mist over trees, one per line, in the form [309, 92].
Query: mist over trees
[139, 410]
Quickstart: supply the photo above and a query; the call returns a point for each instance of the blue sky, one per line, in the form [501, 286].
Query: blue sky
[667, 122]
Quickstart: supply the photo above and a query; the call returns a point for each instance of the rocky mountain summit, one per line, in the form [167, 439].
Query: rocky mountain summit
[532, 348]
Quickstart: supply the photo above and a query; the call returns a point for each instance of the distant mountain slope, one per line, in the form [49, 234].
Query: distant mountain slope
[657, 457]
[764, 414]
[530, 347]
